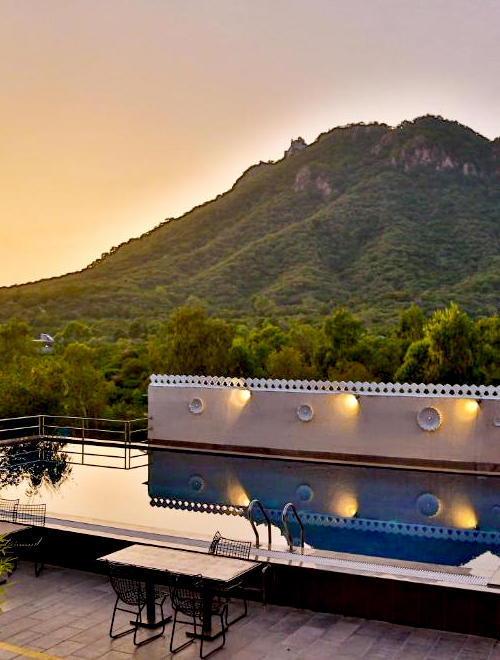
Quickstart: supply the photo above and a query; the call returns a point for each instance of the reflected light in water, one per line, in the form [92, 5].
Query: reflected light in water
[119, 498]
[236, 493]
[345, 504]
[463, 514]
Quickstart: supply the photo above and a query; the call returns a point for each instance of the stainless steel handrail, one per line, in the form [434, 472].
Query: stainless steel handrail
[290, 507]
[254, 526]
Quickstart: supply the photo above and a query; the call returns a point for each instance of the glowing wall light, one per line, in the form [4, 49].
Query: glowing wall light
[467, 409]
[240, 397]
[350, 403]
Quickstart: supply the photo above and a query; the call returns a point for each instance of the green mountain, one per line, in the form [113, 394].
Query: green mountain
[368, 217]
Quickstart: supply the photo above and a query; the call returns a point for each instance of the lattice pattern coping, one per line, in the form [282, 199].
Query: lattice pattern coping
[320, 386]
[390, 527]
[185, 505]
[329, 520]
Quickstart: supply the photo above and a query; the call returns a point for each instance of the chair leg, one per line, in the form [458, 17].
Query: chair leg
[182, 646]
[245, 609]
[149, 639]
[223, 615]
[124, 632]
[39, 564]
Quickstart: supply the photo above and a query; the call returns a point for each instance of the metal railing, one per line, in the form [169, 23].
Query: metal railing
[286, 530]
[249, 515]
[97, 442]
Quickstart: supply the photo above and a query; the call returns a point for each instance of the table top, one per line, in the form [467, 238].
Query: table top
[10, 528]
[182, 562]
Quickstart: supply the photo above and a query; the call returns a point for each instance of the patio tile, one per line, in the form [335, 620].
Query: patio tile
[71, 619]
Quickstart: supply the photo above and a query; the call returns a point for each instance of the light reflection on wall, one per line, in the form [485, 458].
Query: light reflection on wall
[345, 406]
[466, 410]
[240, 397]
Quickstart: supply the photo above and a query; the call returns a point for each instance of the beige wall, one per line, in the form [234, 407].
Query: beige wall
[382, 426]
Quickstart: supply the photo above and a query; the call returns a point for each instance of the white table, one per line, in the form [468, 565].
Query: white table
[164, 561]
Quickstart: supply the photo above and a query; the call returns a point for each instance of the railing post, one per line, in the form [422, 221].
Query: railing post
[83, 441]
[127, 444]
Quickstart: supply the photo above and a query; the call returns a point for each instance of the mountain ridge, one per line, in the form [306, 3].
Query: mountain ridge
[367, 216]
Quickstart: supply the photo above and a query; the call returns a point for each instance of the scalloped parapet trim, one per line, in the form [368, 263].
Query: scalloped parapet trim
[322, 386]
[339, 522]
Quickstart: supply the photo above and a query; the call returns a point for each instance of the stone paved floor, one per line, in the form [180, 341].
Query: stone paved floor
[66, 614]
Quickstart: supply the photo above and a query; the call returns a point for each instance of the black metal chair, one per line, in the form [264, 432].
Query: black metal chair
[30, 539]
[8, 509]
[131, 591]
[225, 547]
[192, 598]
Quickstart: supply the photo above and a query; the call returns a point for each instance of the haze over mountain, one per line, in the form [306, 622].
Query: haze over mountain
[368, 217]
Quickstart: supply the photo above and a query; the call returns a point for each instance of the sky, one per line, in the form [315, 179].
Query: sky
[118, 114]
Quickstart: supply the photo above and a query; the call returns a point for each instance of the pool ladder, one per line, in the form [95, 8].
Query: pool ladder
[288, 535]
[288, 508]
[249, 515]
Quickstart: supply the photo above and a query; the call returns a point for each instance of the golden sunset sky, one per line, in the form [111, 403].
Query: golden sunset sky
[116, 114]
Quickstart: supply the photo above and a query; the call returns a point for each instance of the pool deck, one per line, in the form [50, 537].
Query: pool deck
[65, 614]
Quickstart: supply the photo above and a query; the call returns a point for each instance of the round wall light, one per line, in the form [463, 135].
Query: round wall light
[305, 412]
[429, 419]
[196, 406]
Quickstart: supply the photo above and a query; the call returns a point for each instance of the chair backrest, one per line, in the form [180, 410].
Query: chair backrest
[126, 585]
[186, 595]
[229, 547]
[31, 514]
[8, 509]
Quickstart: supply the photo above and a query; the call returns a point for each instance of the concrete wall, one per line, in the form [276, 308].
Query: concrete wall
[380, 426]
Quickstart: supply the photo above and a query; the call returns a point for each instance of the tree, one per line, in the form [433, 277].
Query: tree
[16, 342]
[450, 333]
[410, 327]
[487, 349]
[342, 330]
[445, 354]
[74, 332]
[87, 392]
[341, 333]
[197, 344]
[288, 363]
[416, 364]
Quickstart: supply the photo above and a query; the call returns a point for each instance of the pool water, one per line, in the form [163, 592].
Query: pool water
[123, 498]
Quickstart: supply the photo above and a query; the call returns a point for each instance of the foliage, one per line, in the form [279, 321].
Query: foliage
[106, 377]
[360, 219]
[7, 562]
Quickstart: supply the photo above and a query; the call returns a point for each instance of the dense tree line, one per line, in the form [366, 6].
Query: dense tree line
[95, 370]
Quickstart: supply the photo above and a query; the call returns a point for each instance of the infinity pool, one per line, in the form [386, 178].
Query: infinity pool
[123, 498]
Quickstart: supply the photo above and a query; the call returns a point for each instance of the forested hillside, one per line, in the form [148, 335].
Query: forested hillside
[368, 217]
[87, 374]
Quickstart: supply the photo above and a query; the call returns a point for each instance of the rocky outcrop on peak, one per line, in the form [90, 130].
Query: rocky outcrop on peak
[295, 146]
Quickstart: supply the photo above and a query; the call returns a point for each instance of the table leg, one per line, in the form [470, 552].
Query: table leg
[206, 632]
[151, 622]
